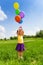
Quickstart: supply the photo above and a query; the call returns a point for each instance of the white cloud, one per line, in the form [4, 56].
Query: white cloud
[2, 29]
[13, 33]
[32, 31]
[2, 35]
[2, 32]
[3, 16]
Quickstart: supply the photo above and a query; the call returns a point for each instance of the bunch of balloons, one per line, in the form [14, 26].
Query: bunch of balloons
[19, 14]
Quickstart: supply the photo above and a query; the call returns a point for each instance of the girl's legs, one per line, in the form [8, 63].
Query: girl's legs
[20, 54]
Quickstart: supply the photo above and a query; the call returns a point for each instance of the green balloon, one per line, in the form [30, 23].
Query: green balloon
[17, 12]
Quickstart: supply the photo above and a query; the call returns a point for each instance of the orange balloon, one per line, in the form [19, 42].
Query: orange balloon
[18, 18]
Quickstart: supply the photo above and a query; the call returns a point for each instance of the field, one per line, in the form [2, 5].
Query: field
[33, 54]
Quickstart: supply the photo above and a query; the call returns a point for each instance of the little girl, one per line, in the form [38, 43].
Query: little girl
[20, 45]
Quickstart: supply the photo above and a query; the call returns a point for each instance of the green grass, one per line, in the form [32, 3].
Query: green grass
[33, 54]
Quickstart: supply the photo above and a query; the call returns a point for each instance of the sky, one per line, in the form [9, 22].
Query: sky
[32, 22]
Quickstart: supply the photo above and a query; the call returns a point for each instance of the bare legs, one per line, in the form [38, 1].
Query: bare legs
[20, 54]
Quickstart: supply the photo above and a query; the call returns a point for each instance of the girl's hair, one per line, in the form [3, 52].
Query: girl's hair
[17, 31]
[20, 32]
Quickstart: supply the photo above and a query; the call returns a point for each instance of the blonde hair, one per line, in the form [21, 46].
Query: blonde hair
[20, 31]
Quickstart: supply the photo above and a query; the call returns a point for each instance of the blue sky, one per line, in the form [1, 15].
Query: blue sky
[32, 22]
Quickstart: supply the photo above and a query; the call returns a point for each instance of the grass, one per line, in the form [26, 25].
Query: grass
[33, 55]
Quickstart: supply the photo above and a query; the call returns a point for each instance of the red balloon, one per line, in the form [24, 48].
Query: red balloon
[18, 18]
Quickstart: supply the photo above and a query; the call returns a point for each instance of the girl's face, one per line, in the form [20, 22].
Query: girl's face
[20, 32]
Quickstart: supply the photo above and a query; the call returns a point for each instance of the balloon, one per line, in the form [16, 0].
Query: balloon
[22, 14]
[21, 22]
[16, 5]
[18, 18]
[17, 11]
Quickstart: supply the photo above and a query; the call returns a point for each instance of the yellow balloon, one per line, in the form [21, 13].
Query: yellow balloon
[16, 5]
